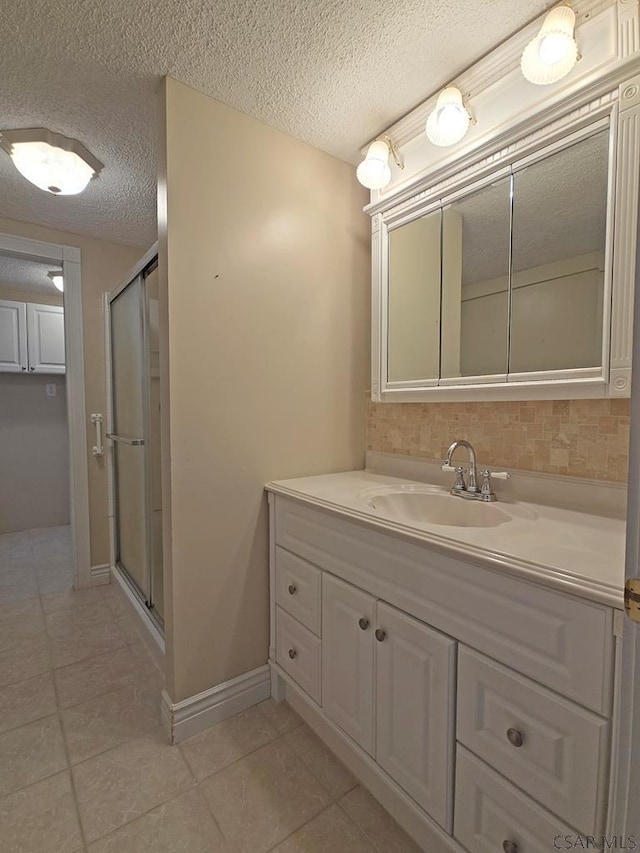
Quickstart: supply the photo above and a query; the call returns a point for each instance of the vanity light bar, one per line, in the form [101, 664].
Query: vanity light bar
[547, 58]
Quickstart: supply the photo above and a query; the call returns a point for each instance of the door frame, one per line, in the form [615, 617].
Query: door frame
[626, 757]
[69, 257]
[149, 622]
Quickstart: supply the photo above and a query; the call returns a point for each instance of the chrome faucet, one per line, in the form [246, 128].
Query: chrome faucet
[470, 489]
[460, 486]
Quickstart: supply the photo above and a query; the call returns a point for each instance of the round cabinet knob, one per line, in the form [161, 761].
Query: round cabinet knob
[292, 589]
[380, 634]
[24, 368]
[516, 738]
[32, 368]
[292, 653]
[509, 846]
[363, 623]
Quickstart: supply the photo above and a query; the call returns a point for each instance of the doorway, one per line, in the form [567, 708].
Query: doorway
[54, 358]
[134, 433]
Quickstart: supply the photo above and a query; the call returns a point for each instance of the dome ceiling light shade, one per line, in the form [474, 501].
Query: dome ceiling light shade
[51, 161]
[450, 120]
[551, 55]
[374, 172]
[57, 279]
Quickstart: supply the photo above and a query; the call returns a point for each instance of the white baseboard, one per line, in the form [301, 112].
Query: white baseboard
[425, 832]
[191, 716]
[100, 575]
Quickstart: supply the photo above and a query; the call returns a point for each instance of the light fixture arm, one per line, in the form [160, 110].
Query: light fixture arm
[392, 148]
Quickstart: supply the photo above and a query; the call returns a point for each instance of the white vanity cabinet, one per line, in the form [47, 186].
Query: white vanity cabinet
[415, 684]
[348, 616]
[476, 705]
[31, 338]
[388, 682]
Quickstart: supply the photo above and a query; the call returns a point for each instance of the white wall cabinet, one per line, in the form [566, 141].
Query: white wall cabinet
[31, 338]
[418, 671]
[45, 338]
[13, 337]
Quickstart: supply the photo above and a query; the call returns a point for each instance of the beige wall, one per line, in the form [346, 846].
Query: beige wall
[34, 452]
[264, 261]
[556, 320]
[103, 266]
[16, 294]
[414, 299]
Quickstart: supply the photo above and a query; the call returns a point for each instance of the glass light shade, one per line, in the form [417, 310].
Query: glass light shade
[551, 55]
[52, 162]
[374, 172]
[450, 120]
[57, 279]
[51, 169]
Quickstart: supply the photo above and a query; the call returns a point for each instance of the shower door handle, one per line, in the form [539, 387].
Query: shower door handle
[98, 449]
[125, 439]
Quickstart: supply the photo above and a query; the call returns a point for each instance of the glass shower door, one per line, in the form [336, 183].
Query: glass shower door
[135, 443]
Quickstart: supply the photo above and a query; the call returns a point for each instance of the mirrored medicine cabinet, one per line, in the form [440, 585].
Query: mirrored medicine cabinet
[502, 287]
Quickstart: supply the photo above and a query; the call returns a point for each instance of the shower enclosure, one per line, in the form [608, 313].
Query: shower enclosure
[135, 435]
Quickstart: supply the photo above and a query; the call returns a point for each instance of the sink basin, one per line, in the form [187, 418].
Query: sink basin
[415, 505]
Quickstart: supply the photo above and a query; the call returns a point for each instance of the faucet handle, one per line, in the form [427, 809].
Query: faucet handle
[459, 471]
[499, 475]
[486, 481]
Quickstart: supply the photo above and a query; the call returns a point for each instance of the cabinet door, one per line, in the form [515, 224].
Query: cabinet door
[415, 677]
[347, 659]
[13, 336]
[45, 325]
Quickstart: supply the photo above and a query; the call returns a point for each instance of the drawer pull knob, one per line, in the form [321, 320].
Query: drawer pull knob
[509, 846]
[292, 589]
[292, 653]
[516, 738]
[363, 623]
[380, 635]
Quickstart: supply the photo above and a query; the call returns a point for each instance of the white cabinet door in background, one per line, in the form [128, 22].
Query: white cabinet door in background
[13, 336]
[46, 338]
[415, 679]
[347, 659]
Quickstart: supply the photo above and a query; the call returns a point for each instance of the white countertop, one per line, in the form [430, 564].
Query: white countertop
[577, 552]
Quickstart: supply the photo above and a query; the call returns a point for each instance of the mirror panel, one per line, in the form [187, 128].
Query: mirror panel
[475, 282]
[559, 235]
[413, 340]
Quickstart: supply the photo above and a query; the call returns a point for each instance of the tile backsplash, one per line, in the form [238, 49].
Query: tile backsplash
[579, 438]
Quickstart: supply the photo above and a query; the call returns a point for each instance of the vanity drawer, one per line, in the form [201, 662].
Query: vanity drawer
[298, 585]
[552, 749]
[491, 815]
[298, 653]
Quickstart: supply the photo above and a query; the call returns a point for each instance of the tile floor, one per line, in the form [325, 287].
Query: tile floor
[84, 762]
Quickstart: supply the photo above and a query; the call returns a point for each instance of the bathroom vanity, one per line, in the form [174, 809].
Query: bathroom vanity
[459, 657]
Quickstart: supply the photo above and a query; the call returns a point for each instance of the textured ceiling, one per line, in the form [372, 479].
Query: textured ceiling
[26, 275]
[330, 72]
[559, 211]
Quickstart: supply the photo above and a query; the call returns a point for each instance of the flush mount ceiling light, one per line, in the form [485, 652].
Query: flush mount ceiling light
[450, 119]
[551, 55]
[374, 172]
[57, 279]
[51, 161]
